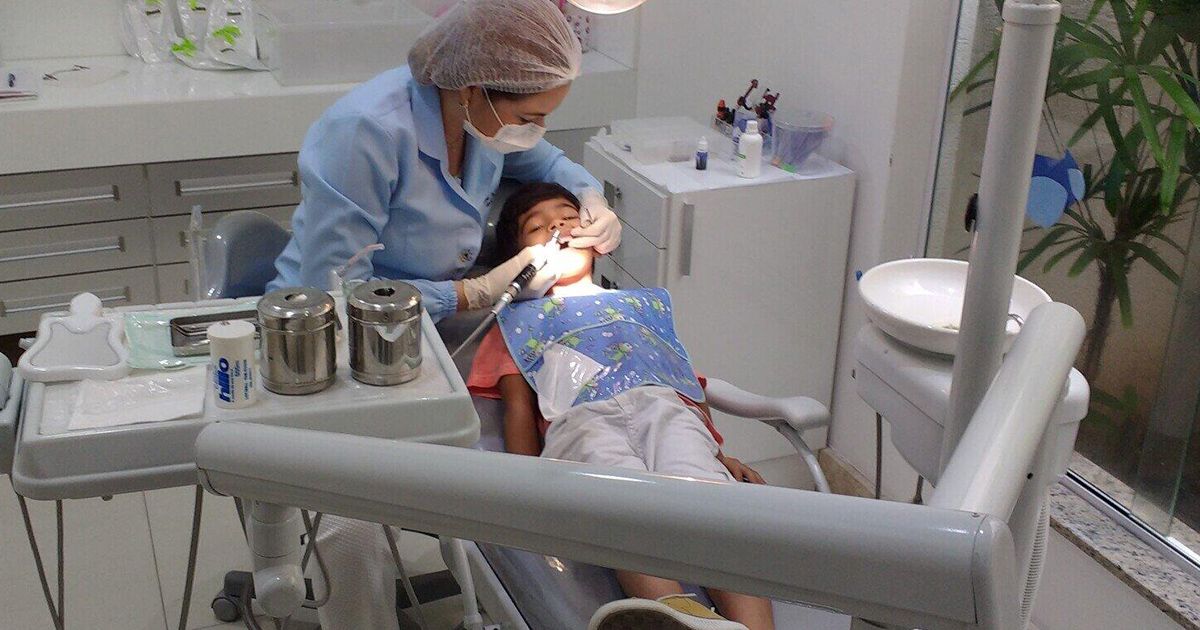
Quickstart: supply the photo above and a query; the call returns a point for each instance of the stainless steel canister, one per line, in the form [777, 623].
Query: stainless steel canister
[299, 355]
[385, 332]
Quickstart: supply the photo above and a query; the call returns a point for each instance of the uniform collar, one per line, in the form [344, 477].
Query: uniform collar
[431, 135]
[479, 162]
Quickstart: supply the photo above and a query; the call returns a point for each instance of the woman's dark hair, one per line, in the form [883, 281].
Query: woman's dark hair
[521, 201]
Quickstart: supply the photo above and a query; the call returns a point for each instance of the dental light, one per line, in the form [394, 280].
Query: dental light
[607, 7]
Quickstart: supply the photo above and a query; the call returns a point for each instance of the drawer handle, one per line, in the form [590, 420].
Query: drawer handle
[685, 241]
[60, 301]
[183, 190]
[612, 193]
[111, 195]
[70, 248]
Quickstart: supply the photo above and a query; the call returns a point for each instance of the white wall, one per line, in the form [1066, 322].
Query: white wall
[38, 29]
[1076, 593]
[879, 68]
[897, 228]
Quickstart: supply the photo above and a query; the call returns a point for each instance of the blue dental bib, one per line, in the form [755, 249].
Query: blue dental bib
[629, 333]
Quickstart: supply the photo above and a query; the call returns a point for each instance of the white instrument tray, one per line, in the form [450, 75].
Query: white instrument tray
[53, 463]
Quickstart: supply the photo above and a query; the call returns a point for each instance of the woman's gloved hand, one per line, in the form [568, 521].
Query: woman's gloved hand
[482, 292]
[546, 277]
[599, 226]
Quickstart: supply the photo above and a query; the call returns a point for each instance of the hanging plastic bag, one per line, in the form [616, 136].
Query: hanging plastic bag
[146, 30]
[216, 35]
[231, 37]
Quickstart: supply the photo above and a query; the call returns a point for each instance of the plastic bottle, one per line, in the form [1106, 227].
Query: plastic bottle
[749, 152]
[702, 154]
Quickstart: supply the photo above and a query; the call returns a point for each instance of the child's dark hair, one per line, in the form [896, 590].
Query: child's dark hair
[521, 201]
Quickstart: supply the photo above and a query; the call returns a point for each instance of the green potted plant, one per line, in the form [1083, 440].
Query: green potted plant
[1133, 68]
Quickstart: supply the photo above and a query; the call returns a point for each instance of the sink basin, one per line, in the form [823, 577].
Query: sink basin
[919, 301]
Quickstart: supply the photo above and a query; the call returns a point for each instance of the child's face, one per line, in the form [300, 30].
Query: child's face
[534, 228]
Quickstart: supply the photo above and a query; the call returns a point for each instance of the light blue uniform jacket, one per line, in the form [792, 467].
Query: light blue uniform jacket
[372, 170]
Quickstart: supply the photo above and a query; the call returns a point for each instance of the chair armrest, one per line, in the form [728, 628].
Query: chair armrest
[799, 412]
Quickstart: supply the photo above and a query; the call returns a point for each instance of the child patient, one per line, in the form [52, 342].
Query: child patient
[597, 376]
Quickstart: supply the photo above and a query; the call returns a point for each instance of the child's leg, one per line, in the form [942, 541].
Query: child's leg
[647, 586]
[671, 437]
[597, 433]
[753, 612]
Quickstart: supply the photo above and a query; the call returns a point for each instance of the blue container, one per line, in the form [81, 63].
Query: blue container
[796, 136]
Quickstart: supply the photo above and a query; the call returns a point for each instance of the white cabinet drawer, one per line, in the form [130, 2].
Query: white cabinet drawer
[258, 181]
[171, 237]
[640, 259]
[37, 200]
[638, 204]
[74, 249]
[23, 303]
[175, 283]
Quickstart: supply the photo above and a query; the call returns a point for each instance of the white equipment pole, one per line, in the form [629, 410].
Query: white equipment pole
[1019, 90]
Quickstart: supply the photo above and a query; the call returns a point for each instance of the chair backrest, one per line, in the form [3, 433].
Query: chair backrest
[240, 254]
[10, 403]
[6, 372]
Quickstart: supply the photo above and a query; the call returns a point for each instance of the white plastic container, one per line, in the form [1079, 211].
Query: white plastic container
[310, 42]
[796, 136]
[657, 140]
[749, 152]
[231, 346]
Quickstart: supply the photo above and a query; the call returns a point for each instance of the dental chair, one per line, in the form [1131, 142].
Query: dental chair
[524, 590]
[237, 257]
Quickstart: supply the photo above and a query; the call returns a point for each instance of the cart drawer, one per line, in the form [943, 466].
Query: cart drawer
[38, 200]
[171, 233]
[638, 204]
[74, 249]
[22, 303]
[258, 181]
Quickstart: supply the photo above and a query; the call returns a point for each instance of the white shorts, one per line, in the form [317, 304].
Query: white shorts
[646, 428]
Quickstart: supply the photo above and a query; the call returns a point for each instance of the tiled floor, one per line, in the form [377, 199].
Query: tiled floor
[126, 560]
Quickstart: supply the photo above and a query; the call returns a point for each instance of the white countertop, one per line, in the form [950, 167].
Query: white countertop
[168, 112]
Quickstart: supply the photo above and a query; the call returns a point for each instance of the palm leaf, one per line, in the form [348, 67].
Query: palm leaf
[1178, 95]
[1174, 158]
[1146, 118]
[1120, 280]
[1066, 251]
[1085, 258]
[1146, 253]
[1049, 239]
[983, 64]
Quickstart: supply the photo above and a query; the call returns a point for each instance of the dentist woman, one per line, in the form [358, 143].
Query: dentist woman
[411, 159]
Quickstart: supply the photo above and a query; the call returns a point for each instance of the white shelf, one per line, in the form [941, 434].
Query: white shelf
[168, 112]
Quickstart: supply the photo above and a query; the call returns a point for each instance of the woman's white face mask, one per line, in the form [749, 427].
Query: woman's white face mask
[509, 138]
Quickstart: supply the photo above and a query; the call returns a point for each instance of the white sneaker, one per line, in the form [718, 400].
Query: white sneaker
[673, 612]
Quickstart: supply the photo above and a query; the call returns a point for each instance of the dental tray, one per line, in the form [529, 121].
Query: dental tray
[189, 335]
[53, 462]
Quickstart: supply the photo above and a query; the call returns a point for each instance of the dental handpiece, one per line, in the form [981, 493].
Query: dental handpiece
[522, 279]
